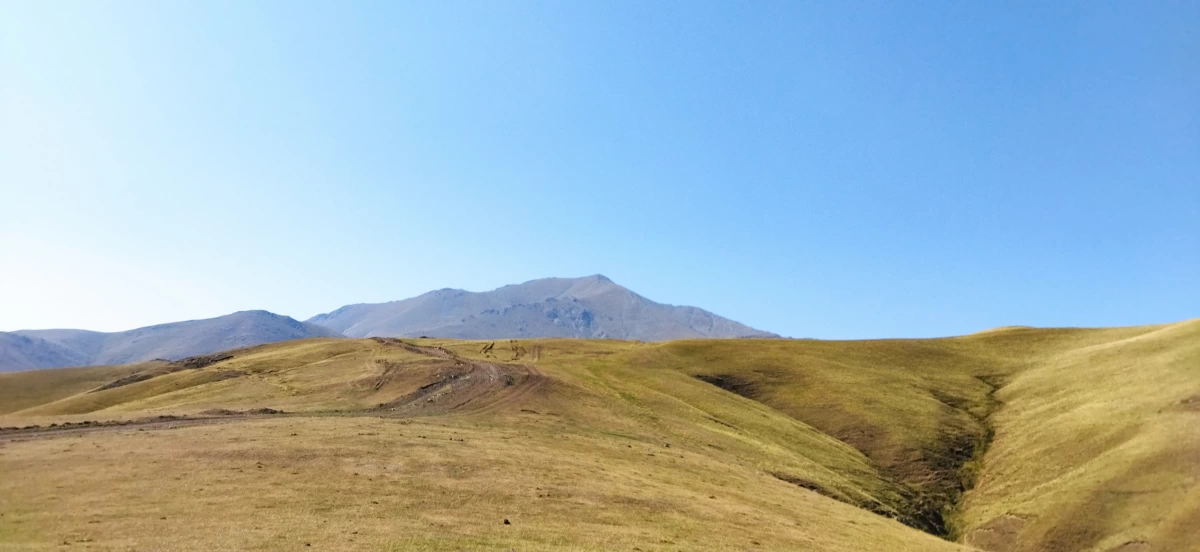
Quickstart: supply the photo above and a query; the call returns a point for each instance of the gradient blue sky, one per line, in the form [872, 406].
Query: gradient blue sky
[817, 169]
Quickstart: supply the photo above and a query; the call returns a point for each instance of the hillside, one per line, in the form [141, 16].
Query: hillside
[28, 349]
[1096, 446]
[589, 307]
[1013, 440]
[19, 352]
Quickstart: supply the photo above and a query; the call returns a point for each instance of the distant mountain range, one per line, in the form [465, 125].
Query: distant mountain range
[588, 307]
[29, 349]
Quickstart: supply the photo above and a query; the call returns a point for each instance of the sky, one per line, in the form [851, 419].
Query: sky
[815, 169]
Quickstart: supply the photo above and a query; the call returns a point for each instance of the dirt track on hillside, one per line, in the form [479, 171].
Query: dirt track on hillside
[467, 387]
[26, 433]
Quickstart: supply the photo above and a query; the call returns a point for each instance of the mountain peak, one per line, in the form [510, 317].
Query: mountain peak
[583, 307]
[256, 312]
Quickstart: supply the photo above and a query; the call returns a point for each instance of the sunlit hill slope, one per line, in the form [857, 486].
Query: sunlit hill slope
[1011, 440]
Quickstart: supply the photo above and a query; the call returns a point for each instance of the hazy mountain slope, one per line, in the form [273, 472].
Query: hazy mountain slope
[19, 352]
[54, 348]
[82, 342]
[589, 307]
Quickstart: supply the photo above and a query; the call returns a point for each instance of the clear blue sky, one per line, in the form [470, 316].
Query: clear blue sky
[817, 169]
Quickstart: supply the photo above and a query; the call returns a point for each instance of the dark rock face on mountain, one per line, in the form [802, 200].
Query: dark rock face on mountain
[29, 349]
[589, 307]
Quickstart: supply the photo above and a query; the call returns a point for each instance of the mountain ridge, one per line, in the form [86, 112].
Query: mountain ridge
[61, 347]
[586, 307]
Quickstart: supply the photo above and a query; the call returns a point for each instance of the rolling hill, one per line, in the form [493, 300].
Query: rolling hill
[28, 349]
[1014, 440]
[588, 307]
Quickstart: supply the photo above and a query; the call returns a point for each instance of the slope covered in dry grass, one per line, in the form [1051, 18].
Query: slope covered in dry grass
[1060, 439]
[21, 390]
[575, 456]
[1097, 445]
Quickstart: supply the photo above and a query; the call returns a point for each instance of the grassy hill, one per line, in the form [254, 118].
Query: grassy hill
[1015, 439]
[1097, 444]
[21, 390]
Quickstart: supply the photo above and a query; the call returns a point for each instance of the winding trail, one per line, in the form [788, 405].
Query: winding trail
[467, 388]
[471, 387]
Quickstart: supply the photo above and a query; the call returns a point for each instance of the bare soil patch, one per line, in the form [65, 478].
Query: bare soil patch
[997, 535]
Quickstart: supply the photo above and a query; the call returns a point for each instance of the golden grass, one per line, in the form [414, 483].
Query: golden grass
[1094, 446]
[21, 390]
[1097, 447]
[368, 483]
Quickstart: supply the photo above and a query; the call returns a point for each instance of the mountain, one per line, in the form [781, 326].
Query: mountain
[588, 307]
[27, 349]
[19, 352]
